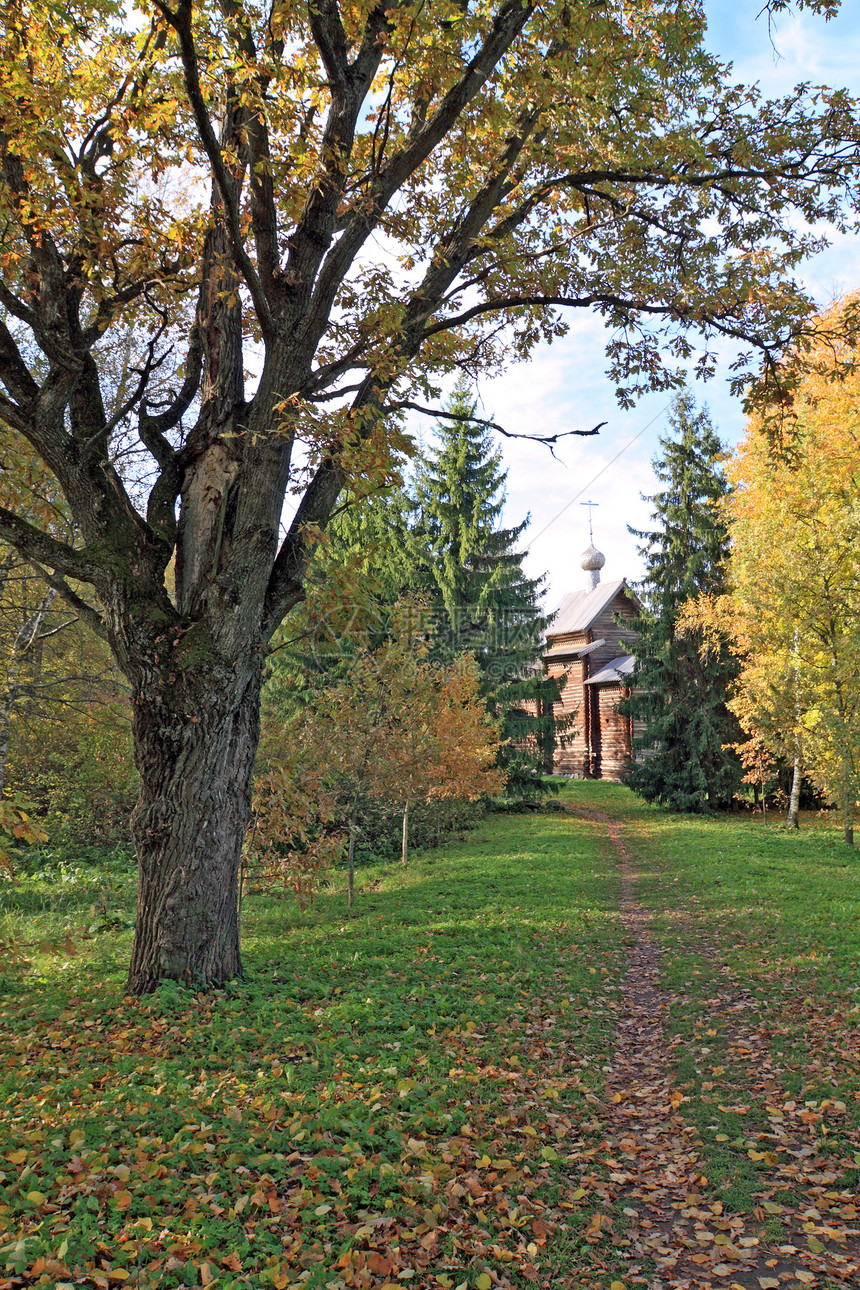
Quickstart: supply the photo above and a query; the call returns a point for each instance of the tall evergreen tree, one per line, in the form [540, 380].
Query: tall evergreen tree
[682, 759]
[439, 544]
[472, 573]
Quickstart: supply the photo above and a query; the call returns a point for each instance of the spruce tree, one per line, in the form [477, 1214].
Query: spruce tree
[486, 604]
[682, 760]
[438, 544]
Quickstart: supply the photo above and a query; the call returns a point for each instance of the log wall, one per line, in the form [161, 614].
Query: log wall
[598, 743]
[615, 732]
[571, 752]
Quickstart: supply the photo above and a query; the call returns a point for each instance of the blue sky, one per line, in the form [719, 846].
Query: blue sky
[564, 386]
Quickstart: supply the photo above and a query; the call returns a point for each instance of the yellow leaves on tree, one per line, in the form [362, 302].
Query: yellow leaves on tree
[793, 615]
[397, 729]
[452, 751]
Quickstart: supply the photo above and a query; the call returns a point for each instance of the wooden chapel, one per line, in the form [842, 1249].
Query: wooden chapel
[587, 649]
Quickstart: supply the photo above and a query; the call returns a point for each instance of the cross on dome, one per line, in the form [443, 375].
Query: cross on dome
[592, 559]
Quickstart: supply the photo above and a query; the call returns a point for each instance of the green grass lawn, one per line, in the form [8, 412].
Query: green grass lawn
[384, 1099]
[389, 1099]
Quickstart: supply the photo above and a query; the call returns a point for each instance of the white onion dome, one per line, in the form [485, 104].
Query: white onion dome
[592, 559]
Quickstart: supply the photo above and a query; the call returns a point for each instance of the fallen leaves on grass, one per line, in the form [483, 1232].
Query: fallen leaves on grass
[656, 1165]
[421, 1101]
[394, 1108]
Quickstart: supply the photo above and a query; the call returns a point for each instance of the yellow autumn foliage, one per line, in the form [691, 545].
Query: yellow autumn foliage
[793, 613]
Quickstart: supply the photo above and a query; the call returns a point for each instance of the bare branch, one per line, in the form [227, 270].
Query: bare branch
[55, 631]
[16, 307]
[335, 394]
[110, 306]
[408, 405]
[14, 372]
[143, 375]
[153, 429]
[12, 414]
[572, 302]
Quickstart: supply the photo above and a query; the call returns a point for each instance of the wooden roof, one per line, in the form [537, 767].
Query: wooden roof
[613, 672]
[578, 609]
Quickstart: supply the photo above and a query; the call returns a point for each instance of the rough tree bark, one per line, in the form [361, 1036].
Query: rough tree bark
[195, 754]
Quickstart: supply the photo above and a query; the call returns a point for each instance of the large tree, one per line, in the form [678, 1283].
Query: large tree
[317, 209]
[684, 759]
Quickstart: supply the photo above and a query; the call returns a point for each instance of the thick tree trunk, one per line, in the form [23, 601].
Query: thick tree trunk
[196, 762]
